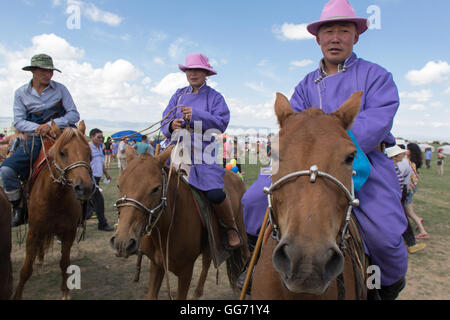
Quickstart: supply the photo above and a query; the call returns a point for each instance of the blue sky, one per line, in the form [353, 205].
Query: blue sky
[121, 64]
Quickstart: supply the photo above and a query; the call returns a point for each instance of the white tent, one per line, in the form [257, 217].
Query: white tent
[446, 149]
[424, 146]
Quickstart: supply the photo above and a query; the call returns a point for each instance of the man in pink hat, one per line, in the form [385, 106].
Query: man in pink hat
[341, 73]
[205, 105]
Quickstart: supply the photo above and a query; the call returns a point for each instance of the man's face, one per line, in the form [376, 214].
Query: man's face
[97, 139]
[196, 77]
[336, 41]
[42, 76]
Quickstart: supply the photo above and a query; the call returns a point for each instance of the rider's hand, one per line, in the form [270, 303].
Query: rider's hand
[187, 112]
[43, 130]
[177, 124]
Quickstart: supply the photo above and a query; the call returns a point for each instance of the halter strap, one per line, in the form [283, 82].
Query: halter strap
[152, 219]
[313, 174]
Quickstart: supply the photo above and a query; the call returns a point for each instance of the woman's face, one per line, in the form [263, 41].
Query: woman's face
[196, 77]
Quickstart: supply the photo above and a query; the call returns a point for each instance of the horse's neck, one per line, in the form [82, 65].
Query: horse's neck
[45, 181]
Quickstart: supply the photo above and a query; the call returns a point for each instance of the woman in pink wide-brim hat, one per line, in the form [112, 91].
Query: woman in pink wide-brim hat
[203, 107]
[197, 61]
[338, 10]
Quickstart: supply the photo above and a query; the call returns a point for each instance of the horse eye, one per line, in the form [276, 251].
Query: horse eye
[350, 158]
[155, 190]
[62, 154]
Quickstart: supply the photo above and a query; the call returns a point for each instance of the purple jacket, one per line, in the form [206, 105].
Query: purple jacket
[209, 108]
[380, 215]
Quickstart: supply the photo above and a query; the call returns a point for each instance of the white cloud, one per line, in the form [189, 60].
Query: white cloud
[290, 31]
[440, 124]
[262, 114]
[436, 104]
[117, 90]
[170, 83]
[180, 47]
[98, 15]
[417, 107]
[158, 60]
[300, 63]
[259, 87]
[432, 72]
[421, 96]
[92, 12]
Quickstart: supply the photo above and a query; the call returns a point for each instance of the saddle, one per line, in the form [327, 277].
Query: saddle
[211, 223]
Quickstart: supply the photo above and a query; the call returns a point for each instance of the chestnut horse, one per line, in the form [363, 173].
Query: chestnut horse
[148, 186]
[5, 247]
[55, 203]
[311, 201]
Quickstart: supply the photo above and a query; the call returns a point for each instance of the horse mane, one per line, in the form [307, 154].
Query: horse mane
[313, 112]
[67, 135]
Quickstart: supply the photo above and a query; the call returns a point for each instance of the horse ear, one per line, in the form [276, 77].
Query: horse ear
[162, 158]
[283, 109]
[55, 129]
[349, 110]
[130, 153]
[82, 127]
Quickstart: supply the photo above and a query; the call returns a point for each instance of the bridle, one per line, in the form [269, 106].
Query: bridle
[153, 214]
[62, 179]
[313, 173]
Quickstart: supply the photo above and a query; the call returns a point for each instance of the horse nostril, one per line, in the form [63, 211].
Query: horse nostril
[281, 259]
[112, 242]
[335, 264]
[131, 248]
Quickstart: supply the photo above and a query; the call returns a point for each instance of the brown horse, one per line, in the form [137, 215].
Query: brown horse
[54, 206]
[5, 247]
[179, 224]
[310, 209]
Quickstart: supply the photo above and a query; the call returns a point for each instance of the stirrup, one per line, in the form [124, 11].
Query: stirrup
[224, 236]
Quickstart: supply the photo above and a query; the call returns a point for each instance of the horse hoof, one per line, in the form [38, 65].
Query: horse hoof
[66, 296]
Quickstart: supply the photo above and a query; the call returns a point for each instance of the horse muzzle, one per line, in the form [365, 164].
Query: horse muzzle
[124, 247]
[83, 192]
[304, 272]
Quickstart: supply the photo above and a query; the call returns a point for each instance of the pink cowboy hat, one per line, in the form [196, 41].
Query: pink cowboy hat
[197, 61]
[338, 10]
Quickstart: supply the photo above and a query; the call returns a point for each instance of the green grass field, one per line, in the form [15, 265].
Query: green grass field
[106, 277]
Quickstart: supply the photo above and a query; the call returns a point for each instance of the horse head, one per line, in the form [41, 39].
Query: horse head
[141, 190]
[71, 156]
[310, 214]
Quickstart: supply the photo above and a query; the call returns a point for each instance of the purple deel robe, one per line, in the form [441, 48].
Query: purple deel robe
[254, 202]
[209, 107]
[380, 215]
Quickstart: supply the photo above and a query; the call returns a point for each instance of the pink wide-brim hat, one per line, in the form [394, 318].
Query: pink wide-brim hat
[338, 10]
[197, 61]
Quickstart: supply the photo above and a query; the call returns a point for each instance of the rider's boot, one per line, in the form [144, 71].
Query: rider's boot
[226, 218]
[18, 213]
